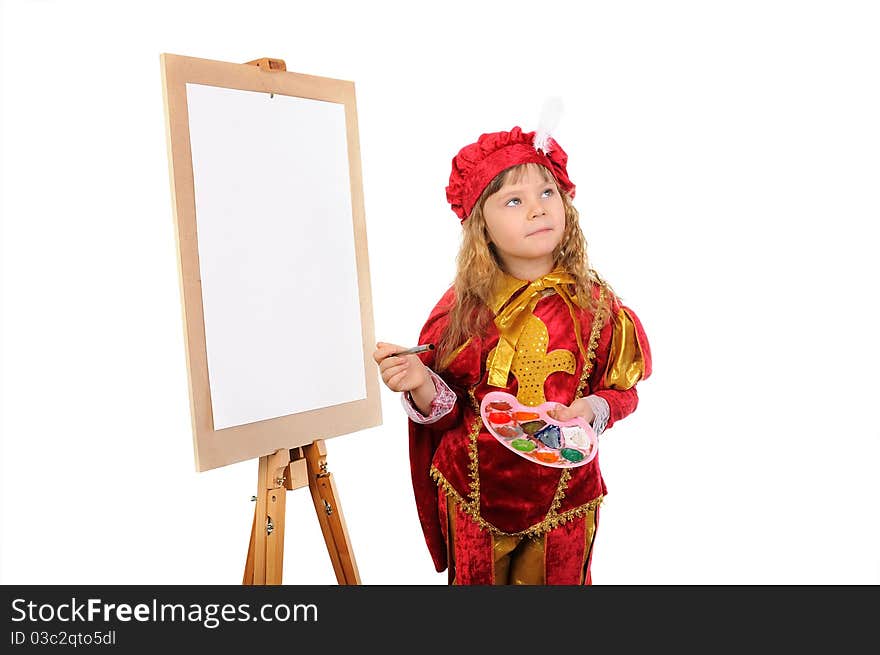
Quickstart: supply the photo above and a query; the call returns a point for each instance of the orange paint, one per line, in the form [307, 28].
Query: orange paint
[546, 457]
[525, 416]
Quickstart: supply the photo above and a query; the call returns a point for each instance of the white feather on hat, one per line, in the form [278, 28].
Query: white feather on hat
[550, 115]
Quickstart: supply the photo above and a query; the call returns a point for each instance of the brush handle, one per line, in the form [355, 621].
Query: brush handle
[414, 350]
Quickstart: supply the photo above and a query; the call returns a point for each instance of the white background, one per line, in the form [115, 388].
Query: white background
[726, 162]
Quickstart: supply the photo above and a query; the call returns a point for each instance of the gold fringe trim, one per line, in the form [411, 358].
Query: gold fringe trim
[559, 495]
[472, 510]
[473, 452]
[596, 329]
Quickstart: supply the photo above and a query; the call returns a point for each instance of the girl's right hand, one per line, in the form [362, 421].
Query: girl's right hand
[404, 373]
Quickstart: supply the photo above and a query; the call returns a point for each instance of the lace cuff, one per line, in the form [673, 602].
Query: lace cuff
[601, 412]
[443, 402]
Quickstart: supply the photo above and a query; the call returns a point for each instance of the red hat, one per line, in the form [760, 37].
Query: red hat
[477, 164]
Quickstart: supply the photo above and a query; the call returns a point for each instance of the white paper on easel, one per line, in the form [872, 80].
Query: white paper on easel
[276, 253]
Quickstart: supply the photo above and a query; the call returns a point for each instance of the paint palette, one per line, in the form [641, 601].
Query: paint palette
[531, 433]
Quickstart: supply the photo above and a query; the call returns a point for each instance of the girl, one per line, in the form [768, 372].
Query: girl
[528, 316]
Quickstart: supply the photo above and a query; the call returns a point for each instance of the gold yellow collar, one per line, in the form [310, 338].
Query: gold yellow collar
[510, 321]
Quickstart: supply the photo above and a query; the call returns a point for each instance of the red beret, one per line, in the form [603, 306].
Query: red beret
[477, 164]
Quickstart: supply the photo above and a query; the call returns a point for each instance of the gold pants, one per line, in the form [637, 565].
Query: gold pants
[521, 560]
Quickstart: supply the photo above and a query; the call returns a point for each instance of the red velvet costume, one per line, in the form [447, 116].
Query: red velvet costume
[496, 492]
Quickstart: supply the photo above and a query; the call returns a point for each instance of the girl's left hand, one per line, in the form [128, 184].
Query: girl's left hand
[580, 407]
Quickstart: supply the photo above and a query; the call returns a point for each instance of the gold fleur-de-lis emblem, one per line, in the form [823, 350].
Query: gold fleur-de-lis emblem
[532, 364]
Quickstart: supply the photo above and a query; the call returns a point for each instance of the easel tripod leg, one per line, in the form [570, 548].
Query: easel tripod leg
[277, 474]
[265, 558]
[330, 516]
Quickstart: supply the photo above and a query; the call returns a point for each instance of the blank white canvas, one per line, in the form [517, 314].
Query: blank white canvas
[276, 253]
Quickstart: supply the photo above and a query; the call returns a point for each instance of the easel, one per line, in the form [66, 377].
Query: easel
[284, 463]
[288, 469]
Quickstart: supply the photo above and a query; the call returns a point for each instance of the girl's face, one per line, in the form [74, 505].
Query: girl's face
[525, 220]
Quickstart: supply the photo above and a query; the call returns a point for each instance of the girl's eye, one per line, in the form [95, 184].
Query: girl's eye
[514, 202]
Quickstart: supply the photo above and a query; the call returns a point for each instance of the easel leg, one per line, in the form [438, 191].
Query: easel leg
[275, 541]
[265, 558]
[330, 514]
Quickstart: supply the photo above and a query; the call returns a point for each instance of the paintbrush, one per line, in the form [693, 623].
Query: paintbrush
[413, 351]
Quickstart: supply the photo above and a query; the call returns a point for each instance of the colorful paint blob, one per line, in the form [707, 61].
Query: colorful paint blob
[526, 416]
[531, 427]
[550, 437]
[509, 431]
[499, 418]
[523, 445]
[571, 454]
[575, 435]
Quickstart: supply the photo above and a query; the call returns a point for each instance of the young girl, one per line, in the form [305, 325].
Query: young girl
[526, 315]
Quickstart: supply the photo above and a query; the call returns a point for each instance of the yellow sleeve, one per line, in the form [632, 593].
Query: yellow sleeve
[626, 359]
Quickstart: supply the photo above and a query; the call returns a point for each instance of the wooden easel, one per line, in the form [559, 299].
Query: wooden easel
[322, 108]
[289, 469]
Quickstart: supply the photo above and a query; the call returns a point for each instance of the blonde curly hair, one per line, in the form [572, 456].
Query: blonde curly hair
[479, 269]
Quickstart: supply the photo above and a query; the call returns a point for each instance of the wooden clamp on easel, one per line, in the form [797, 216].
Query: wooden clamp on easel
[269, 65]
[287, 470]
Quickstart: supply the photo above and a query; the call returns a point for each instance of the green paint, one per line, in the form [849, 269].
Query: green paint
[571, 454]
[523, 445]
